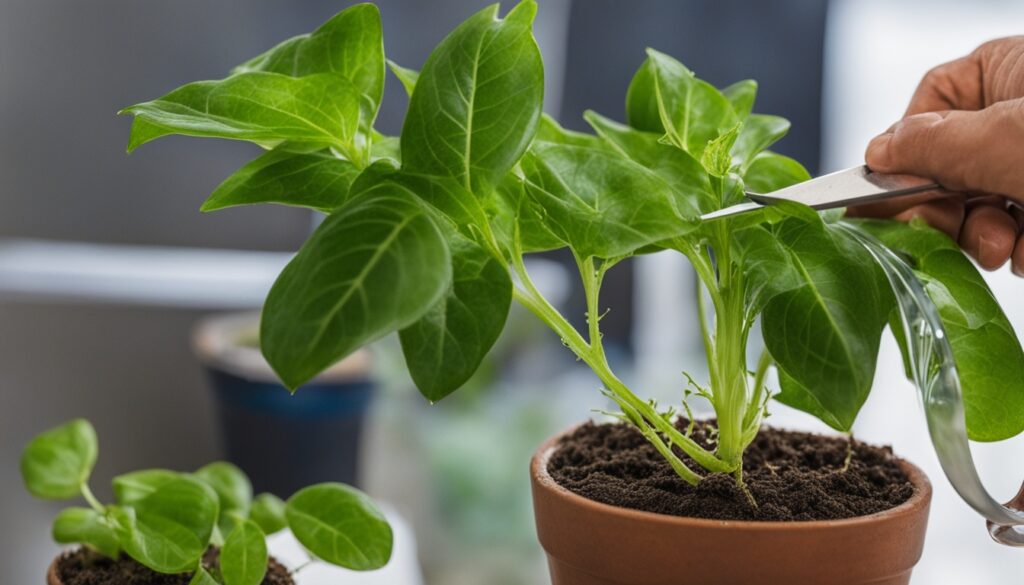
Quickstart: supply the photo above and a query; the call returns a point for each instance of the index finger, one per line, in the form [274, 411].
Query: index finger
[956, 85]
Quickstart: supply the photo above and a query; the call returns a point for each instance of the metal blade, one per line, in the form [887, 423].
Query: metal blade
[848, 187]
[732, 210]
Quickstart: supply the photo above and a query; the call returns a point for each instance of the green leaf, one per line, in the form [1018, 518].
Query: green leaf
[132, 487]
[317, 180]
[268, 513]
[766, 264]
[741, 96]
[513, 215]
[266, 108]
[407, 77]
[550, 130]
[446, 346]
[602, 204]
[169, 530]
[243, 559]
[386, 148]
[453, 203]
[758, 133]
[477, 101]
[201, 577]
[234, 492]
[349, 45]
[988, 353]
[684, 174]
[692, 111]
[341, 525]
[86, 526]
[642, 102]
[824, 334]
[57, 463]
[717, 157]
[374, 266]
[770, 171]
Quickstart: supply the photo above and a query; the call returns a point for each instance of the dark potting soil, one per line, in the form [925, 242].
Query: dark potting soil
[84, 567]
[792, 476]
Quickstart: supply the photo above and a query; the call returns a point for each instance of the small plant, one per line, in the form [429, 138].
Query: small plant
[426, 233]
[167, 520]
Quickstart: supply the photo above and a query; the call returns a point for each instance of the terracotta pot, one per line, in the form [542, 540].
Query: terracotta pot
[589, 543]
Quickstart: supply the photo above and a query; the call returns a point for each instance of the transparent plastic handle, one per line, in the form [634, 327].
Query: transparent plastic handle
[935, 375]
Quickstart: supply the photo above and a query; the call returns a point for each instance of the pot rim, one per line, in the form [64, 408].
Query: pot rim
[542, 479]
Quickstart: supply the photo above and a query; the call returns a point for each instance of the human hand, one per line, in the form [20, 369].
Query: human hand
[965, 129]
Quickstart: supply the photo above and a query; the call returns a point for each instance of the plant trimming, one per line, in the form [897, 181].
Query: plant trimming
[167, 520]
[426, 233]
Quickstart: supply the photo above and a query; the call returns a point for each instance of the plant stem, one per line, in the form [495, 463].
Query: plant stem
[91, 498]
[756, 405]
[595, 358]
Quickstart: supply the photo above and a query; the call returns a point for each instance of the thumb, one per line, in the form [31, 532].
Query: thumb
[961, 150]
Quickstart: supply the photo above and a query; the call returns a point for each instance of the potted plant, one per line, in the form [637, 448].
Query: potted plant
[200, 528]
[426, 234]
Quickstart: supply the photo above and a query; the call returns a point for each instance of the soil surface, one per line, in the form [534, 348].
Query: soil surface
[792, 476]
[84, 567]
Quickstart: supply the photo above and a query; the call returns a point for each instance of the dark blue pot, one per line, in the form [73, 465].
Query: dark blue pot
[283, 441]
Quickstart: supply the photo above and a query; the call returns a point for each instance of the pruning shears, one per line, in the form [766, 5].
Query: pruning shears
[852, 186]
[931, 360]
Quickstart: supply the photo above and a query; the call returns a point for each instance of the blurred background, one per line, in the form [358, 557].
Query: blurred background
[107, 268]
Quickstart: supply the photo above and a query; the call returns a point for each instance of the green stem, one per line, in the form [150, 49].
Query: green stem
[595, 358]
[91, 498]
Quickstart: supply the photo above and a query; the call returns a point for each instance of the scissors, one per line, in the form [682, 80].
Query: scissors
[852, 186]
[932, 365]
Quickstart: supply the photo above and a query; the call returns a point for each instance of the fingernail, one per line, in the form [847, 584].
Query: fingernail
[990, 254]
[878, 155]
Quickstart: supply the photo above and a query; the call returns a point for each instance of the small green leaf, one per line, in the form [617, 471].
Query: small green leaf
[407, 77]
[132, 487]
[349, 45]
[201, 577]
[168, 530]
[243, 559]
[988, 354]
[602, 204]
[234, 492]
[681, 171]
[86, 526]
[268, 513]
[770, 171]
[446, 346]
[317, 180]
[758, 133]
[386, 148]
[717, 157]
[57, 463]
[341, 525]
[692, 111]
[374, 266]
[477, 101]
[266, 108]
[741, 96]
